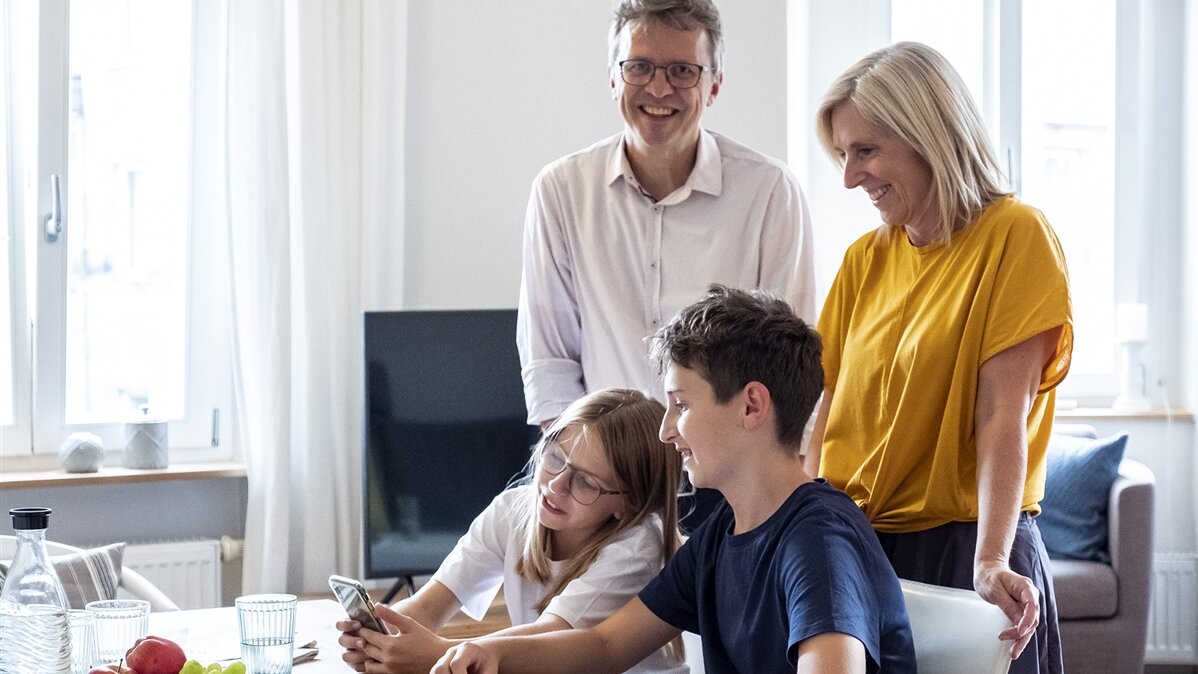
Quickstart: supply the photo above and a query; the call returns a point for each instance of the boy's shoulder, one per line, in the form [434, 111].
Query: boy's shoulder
[812, 506]
[818, 503]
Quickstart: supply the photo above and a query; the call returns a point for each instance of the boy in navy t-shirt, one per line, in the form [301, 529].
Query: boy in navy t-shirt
[787, 574]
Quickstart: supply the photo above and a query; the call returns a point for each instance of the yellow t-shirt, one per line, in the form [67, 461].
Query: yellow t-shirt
[906, 331]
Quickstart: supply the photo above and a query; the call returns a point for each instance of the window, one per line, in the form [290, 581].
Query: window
[129, 303]
[1083, 121]
[1055, 137]
[6, 286]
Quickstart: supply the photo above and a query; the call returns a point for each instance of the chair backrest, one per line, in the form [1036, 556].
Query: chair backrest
[135, 584]
[955, 630]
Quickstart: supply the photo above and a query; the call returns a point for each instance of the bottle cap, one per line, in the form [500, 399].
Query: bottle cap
[24, 519]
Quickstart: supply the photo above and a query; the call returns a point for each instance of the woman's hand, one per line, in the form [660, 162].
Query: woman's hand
[467, 658]
[1016, 596]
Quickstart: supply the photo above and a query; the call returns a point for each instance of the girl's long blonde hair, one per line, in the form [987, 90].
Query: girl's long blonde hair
[626, 423]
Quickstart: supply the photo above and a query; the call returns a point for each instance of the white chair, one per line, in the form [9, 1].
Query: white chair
[132, 582]
[955, 630]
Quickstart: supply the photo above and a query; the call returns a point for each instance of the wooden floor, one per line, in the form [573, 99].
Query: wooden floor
[461, 627]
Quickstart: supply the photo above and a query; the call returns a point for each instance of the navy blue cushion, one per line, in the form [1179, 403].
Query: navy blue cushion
[1073, 521]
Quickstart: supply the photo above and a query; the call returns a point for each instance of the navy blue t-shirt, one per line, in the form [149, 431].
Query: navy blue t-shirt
[814, 566]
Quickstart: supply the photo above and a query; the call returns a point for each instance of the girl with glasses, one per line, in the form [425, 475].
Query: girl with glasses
[593, 519]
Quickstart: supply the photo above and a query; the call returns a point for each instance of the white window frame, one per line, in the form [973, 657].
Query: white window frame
[41, 348]
[825, 38]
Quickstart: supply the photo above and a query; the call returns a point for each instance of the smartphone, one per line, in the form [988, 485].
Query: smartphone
[357, 603]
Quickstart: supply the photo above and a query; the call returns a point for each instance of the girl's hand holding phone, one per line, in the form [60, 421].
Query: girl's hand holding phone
[412, 648]
[353, 643]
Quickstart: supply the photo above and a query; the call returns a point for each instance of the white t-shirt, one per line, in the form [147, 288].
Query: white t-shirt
[605, 266]
[485, 559]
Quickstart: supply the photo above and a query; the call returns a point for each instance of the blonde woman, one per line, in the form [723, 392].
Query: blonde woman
[946, 332]
[594, 520]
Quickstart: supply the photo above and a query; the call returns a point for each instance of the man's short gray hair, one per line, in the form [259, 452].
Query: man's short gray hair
[676, 14]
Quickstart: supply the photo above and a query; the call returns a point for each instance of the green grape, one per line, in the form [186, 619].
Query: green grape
[235, 668]
[214, 668]
[192, 667]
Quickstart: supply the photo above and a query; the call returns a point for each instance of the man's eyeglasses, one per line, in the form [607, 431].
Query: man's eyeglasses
[679, 75]
[582, 486]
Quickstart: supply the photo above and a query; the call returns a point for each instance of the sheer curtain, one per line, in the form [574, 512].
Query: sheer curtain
[313, 154]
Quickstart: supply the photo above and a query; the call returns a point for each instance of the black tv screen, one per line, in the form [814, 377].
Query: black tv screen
[444, 430]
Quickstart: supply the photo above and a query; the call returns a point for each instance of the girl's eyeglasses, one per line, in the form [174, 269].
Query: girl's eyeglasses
[582, 487]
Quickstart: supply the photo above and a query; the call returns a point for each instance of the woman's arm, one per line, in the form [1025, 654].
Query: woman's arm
[1007, 385]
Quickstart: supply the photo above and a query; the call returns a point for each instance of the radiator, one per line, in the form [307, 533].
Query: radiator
[1173, 614]
[186, 571]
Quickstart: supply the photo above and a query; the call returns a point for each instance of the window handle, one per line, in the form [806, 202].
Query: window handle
[54, 217]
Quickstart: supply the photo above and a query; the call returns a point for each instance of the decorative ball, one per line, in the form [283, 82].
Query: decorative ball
[81, 453]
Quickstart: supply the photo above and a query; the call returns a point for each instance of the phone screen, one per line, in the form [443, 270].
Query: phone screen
[356, 601]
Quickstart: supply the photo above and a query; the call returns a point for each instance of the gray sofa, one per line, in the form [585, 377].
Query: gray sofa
[1103, 610]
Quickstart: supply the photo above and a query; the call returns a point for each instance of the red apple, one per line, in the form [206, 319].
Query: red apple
[155, 655]
[111, 669]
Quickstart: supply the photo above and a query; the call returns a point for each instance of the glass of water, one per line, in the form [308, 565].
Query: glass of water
[267, 624]
[83, 641]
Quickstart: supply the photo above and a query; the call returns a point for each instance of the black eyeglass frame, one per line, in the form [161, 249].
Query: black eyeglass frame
[666, 67]
[545, 449]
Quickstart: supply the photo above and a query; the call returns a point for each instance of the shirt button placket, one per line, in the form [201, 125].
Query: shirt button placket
[653, 305]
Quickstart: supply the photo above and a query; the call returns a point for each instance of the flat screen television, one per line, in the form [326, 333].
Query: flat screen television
[444, 431]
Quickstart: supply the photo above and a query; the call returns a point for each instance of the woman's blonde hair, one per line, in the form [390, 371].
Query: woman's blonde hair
[626, 423]
[914, 92]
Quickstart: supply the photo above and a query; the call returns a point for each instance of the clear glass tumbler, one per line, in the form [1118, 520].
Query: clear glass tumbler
[267, 625]
[83, 640]
[118, 624]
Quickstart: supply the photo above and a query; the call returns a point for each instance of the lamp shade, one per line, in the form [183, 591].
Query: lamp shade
[1131, 323]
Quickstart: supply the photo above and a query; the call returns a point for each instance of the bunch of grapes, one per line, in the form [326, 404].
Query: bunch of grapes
[193, 667]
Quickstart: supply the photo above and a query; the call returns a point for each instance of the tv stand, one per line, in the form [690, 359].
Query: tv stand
[403, 581]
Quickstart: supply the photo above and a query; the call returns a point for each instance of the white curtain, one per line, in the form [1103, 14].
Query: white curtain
[313, 153]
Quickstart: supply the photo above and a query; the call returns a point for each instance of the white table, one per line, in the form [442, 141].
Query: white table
[211, 634]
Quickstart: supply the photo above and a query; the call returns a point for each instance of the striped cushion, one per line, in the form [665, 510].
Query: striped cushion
[87, 575]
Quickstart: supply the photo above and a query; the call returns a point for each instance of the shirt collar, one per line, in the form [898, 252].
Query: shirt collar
[706, 176]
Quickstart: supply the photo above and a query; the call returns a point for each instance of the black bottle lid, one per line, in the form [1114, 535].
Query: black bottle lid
[24, 519]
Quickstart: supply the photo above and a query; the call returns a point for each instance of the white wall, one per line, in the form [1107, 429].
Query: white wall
[136, 512]
[498, 90]
[820, 50]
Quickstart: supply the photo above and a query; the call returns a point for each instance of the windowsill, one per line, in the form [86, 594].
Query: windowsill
[26, 479]
[1109, 413]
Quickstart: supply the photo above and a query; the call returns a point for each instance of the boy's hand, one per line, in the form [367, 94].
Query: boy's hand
[467, 658]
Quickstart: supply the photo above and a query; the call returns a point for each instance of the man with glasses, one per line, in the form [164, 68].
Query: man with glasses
[621, 235]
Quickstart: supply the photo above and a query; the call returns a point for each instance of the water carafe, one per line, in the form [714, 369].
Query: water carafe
[35, 632]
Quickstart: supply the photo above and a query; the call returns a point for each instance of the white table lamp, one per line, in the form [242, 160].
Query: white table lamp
[1131, 332]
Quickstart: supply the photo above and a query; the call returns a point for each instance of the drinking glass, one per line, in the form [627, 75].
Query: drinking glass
[118, 623]
[83, 641]
[267, 625]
